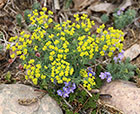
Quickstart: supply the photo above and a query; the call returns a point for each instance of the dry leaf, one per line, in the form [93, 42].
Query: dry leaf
[87, 3]
[81, 4]
[77, 3]
[102, 7]
[125, 4]
[132, 52]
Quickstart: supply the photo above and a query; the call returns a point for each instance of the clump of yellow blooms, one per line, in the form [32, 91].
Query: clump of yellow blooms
[88, 81]
[63, 48]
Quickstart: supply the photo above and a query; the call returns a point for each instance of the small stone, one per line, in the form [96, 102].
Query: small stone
[125, 96]
[10, 93]
[132, 52]
[102, 7]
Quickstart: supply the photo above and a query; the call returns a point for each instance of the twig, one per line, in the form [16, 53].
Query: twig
[133, 33]
[86, 90]
[67, 103]
[100, 62]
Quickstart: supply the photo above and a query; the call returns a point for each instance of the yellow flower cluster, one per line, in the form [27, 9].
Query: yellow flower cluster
[111, 40]
[34, 71]
[57, 45]
[88, 80]
[20, 46]
[60, 71]
[41, 18]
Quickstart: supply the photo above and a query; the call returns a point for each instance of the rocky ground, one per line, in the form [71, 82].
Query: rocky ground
[125, 95]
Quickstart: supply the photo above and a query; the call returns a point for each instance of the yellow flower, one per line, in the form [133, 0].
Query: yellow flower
[99, 30]
[22, 33]
[13, 56]
[110, 54]
[26, 77]
[35, 48]
[41, 13]
[37, 75]
[50, 20]
[13, 48]
[50, 12]
[44, 9]
[38, 66]
[45, 67]
[8, 46]
[105, 47]
[51, 36]
[46, 25]
[19, 52]
[52, 80]
[31, 61]
[34, 81]
[71, 71]
[50, 58]
[52, 53]
[56, 42]
[25, 51]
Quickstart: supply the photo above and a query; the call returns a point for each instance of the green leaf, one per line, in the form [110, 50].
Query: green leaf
[104, 18]
[18, 19]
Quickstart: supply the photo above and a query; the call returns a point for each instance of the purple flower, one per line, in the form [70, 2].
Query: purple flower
[93, 73]
[102, 75]
[90, 69]
[109, 79]
[59, 92]
[89, 74]
[66, 94]
[74, 86]
[70, 89]
[65, 89]
[120, 56]
[122, 9]
[118, 12]
[67, 84]
[107, 73]
[115, 59]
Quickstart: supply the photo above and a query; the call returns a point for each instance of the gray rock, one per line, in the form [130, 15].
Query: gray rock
[9, 95]
[125, 96]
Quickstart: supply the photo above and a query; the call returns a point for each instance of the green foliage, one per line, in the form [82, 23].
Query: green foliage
[36, 5]
[1, 37]
[8, 76]
[104, 18]
[138, 72]
[26, 18]
[19, 19]
[1, 47]
[121, 70]
[98, 80]
[122, 19]
[68, 3]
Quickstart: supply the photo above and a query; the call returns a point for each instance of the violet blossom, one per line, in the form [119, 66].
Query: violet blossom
[102, 75]
[106, 75]
[118, 12]
[67, 89]
[120, 57]
[90, 71]
[59, 92]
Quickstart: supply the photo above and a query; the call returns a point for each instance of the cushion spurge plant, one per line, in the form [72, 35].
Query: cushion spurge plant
[58, 53]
